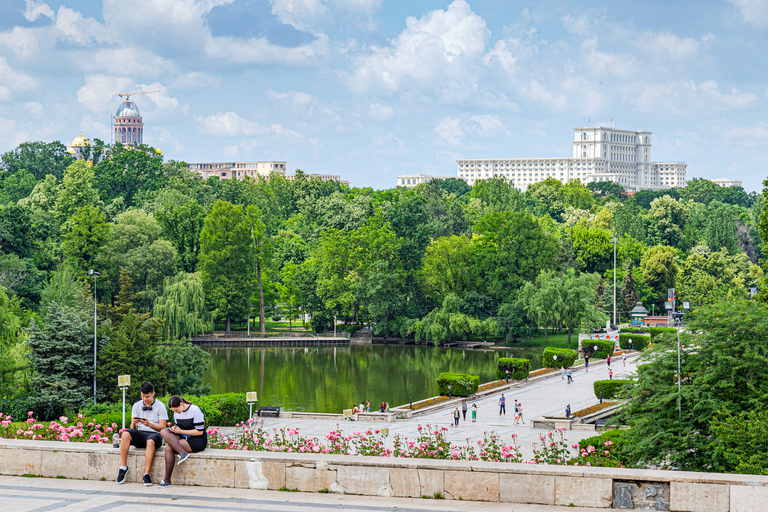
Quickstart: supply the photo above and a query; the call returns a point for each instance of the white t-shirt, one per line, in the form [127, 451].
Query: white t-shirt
[190, 419]
[154, 415]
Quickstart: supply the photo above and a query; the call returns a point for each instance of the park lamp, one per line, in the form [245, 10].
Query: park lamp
[92, 273]
[554, 358]
[347, 413]
[123, 382]
[251, 397]
[384, 431]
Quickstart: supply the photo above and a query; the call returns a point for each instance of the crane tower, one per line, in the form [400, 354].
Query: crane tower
[127, 122]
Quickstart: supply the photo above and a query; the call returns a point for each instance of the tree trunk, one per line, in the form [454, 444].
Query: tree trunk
[570, 323]
[263, 327]
[546, 334]
[226, 330]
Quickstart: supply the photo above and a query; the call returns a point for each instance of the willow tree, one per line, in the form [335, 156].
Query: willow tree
[182, 306]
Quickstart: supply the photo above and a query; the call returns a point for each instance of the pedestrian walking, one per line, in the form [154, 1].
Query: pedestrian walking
[456, 417]
[562, 372]
[586, 363]
[624, 358]
[567, 411]
[610, 374]
[516, 414]
[474, 413]
[520, 412]
[367, 406]
[502, 405]
[608, 360]
[568, 374]
[464, 410]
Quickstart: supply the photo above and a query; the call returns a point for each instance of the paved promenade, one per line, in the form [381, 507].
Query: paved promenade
[546, 397]
[43, 494]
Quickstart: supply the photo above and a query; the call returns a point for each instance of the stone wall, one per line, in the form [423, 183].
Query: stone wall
[496, 482]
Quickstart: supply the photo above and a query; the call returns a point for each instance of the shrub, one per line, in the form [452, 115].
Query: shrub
[639, 341]
[656, 331]
[614, 441]
[233, 407]
[518, 368]
[16, 407]
[604, 348]
[565, 357]
[609, 388]
[109, 412]
[461, 384]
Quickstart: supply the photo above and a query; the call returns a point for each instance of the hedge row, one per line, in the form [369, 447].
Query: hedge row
[518, 368]
[639, 341]
[565, 357]
[652, 331]
[609, 388]
[604, 348]
[220, 410]
[461, 384]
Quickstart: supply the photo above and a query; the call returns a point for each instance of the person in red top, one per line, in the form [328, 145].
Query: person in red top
[610, 374]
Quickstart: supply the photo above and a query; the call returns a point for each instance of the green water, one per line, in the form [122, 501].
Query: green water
[330, 379]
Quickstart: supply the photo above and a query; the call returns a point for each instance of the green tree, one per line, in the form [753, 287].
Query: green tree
[542, 301]
[497, 195]
[699, 190]
[38, 158]
[628, 220]
[593, 248]
[181, 368]
[261, 255]
[181, 307]
[12, 345]
[725, 353]
[76, 190]
[667, 221]
[63, 288]
[449, 266]
[85, 233]
[181, 225]
[512, 248]
[659, 270]
[44, 195]
[128, 171]
[227, 261]
[578, 301]
[61, 355]
[720, 231]
[706, 277]
[512, 322]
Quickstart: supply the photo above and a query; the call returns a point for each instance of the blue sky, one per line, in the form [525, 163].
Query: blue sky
[370, 89]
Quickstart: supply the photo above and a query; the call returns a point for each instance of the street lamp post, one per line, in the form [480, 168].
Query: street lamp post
[92, 273]
[123, 382]
[251, 397]
[614, 241]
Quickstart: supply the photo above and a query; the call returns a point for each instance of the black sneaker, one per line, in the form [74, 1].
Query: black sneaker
[183, 457]
[147, 479]
[121, 475]
[163, 485]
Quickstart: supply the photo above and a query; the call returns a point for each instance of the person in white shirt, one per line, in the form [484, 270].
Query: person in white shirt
[148, 418]
[187, 436]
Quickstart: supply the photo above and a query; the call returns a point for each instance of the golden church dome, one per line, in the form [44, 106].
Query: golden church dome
[80, 142]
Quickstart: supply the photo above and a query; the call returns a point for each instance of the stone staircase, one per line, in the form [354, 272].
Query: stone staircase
[362, 336]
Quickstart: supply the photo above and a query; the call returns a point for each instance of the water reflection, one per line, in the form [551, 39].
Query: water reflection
[330, 379]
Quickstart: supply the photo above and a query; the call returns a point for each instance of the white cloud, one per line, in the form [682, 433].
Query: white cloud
[667, 45]
[230, 124]
[196, 80]
[500, 54]
[126, 61]
[688, 96]
[302, 103]
[754, 12]
[576, 25]
[711, 90]
[36, 9]
[13, 81]
[538, 92]
[34, 108]
[99, 91]
[380, 112]
[95, 128]
[162, 138]
[440, 45]
[449, 131]
[750, 133]
[302, 14]
[74, 28]
[487, 125]
[11, 135]
[22, 42]
[258, 50]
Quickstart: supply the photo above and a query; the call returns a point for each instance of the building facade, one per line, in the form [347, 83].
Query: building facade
[128, 125]
[599, 154]
[237, 170]
[726, 182]
[411, 180]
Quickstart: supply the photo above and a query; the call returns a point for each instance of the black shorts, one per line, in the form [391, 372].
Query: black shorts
[196, 443]
[139, 438]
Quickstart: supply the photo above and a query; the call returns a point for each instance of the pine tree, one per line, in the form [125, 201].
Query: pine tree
[629, 296]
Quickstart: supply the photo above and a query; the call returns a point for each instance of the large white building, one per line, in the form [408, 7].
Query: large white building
[411, 180]
[241, 170]
[727, 182]
[599, 154]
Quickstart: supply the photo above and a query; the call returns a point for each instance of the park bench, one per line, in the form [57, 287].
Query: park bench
[269, 411]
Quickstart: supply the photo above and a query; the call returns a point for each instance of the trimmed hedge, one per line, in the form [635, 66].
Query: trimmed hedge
[604, 348]
[655, 331]
[639, 341]
[565, 357]
[609, 388]
[226, 409]
[461, 384]
[518, 368]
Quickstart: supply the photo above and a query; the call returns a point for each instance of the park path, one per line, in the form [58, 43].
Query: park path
[542, 398]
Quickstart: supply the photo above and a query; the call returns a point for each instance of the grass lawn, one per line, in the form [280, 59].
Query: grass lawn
[559, 339]
[272, 326]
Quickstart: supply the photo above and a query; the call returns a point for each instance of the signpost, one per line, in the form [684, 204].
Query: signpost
[251, 397]
[123, 382]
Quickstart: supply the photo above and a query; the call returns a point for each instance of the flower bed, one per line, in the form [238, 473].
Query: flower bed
[426, 403]
[82, 430]
[540, 371]
[593, 408]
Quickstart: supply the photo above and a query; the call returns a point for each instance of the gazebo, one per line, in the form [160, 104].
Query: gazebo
[638, 313]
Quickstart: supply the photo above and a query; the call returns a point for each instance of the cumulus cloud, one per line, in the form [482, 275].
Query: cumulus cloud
[380, 112]
[758, 131]
[36, 9]
[449, 131]
[487, 125]
[442, 44]
[576, 25]
[12, 80]
[301, 14]
[667, 45]
[754, 12]
[34, 108]
[302, 103]
[99, 91]
[258, 50]
[21, 42]
[230, 124]
[73, 28]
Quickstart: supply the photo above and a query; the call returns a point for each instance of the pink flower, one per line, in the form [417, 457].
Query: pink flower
[63, 419]
[590, 449]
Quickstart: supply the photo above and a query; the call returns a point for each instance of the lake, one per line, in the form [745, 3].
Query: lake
[331, 379]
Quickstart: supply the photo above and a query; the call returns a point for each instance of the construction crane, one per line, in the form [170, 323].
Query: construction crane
[128, 95]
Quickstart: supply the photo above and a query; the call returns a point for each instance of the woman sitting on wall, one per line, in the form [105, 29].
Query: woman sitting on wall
[187, 436]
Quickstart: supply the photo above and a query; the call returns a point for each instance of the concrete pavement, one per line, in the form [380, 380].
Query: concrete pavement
[543, 398]
[44, 494]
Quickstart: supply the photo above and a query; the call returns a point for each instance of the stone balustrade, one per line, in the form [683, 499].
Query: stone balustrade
[374, 476]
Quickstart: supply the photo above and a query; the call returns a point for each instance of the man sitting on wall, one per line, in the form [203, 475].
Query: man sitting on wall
[148, 418]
